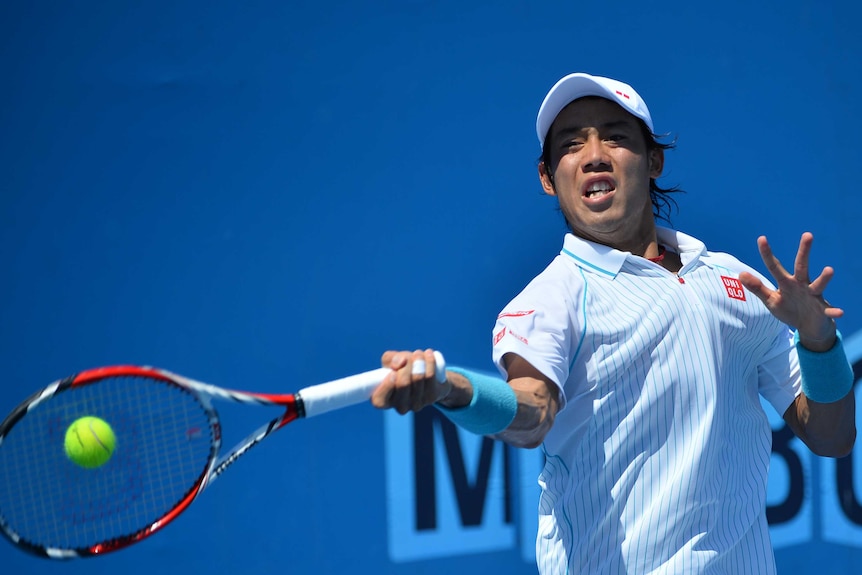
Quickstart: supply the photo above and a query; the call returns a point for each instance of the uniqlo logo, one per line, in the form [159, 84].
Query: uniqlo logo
[734, 288]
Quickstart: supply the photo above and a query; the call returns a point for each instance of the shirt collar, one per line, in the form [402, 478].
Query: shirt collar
[607, 261]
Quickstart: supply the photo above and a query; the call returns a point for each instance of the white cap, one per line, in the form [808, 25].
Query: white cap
[579, 85]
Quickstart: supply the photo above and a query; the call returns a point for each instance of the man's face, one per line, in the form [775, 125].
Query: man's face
[601, 172]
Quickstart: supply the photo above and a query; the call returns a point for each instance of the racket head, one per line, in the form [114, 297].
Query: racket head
[168, 438]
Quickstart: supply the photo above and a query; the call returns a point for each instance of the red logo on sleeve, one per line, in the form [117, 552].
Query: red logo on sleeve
[515, 313]
[499, 335]
[734, 288]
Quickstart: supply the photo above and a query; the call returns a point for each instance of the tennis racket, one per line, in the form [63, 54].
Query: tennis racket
[168, 450]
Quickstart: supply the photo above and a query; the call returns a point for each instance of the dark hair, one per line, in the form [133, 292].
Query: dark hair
[662, 203]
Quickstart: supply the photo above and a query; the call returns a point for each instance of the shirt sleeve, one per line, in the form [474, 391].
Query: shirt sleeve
[779, 377]
[537, 328]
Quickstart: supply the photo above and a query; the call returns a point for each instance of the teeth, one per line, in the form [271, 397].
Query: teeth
[598, 189]
[602, 186]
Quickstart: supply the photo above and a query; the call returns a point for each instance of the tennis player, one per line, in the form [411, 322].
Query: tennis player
[636, 360]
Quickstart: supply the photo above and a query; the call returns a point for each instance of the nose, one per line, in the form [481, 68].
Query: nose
[594, 154]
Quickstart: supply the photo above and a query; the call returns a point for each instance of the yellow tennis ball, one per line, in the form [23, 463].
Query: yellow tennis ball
[90, 442]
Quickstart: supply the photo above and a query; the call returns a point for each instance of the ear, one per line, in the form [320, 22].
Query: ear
[656, 162]
[547, 181]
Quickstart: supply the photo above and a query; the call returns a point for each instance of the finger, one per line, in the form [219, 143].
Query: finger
[419, 367]
[833, 312]
[429, 363]
[753, 284]
[404, 386]
[772, 264]
[395, 359]
[750, 281]
[394, 391]
[381, 397]
[400, 399]
[818, 286]
[800, 269]
[431, 387]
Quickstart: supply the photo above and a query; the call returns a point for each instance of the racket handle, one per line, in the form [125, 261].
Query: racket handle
[347, 391]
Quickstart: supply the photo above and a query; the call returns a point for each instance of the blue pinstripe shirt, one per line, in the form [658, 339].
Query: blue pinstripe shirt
[658, 459]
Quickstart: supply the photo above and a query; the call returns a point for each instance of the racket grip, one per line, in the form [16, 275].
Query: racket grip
[325, 397]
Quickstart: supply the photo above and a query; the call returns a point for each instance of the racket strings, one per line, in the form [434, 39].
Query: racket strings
[165, 441]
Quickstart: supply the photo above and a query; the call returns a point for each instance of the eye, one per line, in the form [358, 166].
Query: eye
[573, 145]
[616, 137]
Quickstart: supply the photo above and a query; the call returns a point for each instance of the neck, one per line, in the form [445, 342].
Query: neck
[636, 235]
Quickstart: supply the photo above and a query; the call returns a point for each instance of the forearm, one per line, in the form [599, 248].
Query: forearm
[828, 429]
[537, 407]
[824, 415]
[531, 418]
[461, 391]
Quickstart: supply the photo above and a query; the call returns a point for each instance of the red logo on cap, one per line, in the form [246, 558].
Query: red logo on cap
[626, 96]
[734, 288]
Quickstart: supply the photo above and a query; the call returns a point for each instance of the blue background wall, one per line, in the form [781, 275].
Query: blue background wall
[268, 194]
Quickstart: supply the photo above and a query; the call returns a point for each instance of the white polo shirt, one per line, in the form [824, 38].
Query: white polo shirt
[658, 460]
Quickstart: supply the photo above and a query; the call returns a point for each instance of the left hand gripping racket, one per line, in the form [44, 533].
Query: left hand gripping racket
[168, 450]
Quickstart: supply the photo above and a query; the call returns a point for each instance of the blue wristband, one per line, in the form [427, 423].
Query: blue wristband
[826, 376]
[492, 408]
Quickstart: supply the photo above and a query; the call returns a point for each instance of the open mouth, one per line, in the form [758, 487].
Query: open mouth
[598, 189]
